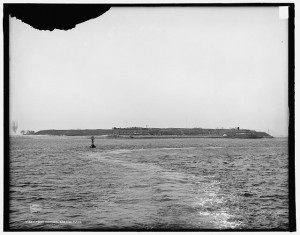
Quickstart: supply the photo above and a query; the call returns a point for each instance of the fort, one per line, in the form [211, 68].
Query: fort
[139, 132]
[130, 131]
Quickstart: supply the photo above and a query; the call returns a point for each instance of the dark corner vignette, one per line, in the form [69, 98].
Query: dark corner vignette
[55, 16]
[67, 16]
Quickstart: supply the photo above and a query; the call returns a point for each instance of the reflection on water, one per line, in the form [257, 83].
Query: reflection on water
[60, 183]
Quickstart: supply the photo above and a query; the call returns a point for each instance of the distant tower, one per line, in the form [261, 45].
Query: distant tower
[15, 126]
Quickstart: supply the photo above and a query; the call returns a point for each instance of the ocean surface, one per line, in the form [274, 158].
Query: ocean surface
[148, 184]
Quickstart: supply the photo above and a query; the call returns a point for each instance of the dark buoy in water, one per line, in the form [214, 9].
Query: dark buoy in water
[92, 145]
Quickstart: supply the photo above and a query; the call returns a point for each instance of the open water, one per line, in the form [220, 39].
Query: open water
[148, 184]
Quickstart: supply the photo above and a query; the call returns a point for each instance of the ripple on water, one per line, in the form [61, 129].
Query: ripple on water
[149, 184]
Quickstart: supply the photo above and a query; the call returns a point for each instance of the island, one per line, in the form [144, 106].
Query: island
[140, 132]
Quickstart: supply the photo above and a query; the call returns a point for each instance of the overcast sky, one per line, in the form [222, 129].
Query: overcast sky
[161, 67]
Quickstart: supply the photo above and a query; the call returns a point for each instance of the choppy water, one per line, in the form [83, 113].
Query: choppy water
[139, 184]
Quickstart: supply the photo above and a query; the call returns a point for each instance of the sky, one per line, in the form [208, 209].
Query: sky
[160, 67]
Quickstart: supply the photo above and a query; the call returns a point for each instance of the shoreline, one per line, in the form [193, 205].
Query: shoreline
[148, 137]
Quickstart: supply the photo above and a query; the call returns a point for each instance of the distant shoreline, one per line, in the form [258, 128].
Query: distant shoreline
[159, 133]
[148, 137]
